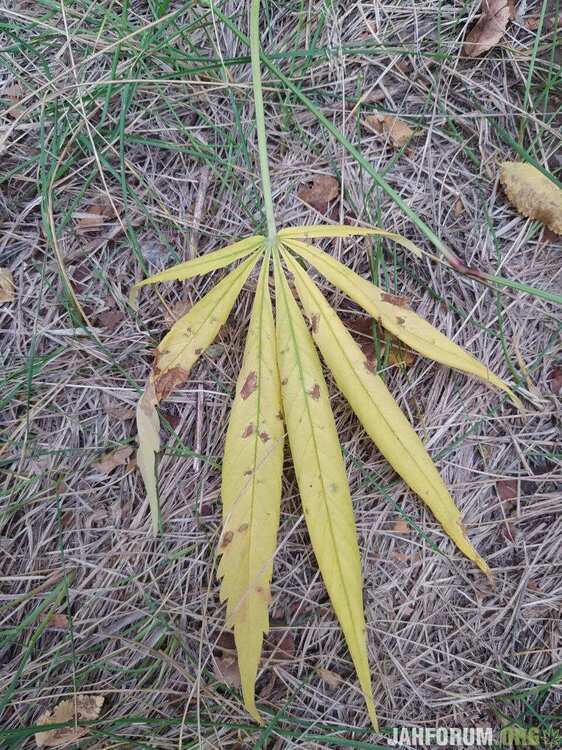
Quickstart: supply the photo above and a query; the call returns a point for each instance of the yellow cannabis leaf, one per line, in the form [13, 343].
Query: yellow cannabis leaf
[533, 194]
[281, 381]
[321, 477]
[204, 264]
[403, 323]
[251, 491]
[176, 354]
[377, 411]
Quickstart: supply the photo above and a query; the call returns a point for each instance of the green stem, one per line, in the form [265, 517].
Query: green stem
[255, 53]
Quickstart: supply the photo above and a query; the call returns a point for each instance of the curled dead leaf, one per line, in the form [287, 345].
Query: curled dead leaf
[320, 192]
[112, 460]
[398, 132]
[7, 289]
[79, 708]
[532, 193]
[490, 27]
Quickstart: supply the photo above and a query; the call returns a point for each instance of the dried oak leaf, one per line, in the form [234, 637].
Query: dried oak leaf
[7, 289]
[82, 708]
[320, 192]
[532, 193]
[110, 461]
[490, 27]
[398, 132]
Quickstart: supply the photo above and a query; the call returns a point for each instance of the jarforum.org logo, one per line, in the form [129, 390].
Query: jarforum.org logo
[507, 737]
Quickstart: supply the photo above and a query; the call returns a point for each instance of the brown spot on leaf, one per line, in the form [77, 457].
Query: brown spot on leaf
[394, 299]
[198, 351]
[248, 431]
[243, 527]
[248, 472]
[167, 381]
[250, 385]
[400, 320]
[284, 381]
[227, 538]
[279, 415]
[315, 392]
[264, 437]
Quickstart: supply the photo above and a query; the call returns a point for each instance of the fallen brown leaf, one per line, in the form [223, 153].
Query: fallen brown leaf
[490, 27]
[532, 193]
[225, 663]
[99, 211]
[119, 411]
[14, 93]
[556, 381]
[58, 621]
[458, 207]
[7, 289]
[549, 236]
[109, 319]
[82, 708]
[320, 192]
[507, 489]
[331, 679]
[395, 129]
[112, 460]
[398, 355]
[401, 527]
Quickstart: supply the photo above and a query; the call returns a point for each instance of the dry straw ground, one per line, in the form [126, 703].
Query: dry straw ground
[165, 159]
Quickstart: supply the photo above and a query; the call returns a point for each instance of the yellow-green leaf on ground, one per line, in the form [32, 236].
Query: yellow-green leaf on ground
[403, 323]
[79, 708]
[176, 354]
[533, 194]
[321, 476]
[317, 231]
[378, 412]
[201, 265]
[148, 428]
[251, 491]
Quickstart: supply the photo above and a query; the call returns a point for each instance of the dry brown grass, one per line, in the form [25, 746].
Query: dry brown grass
[141, 617]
